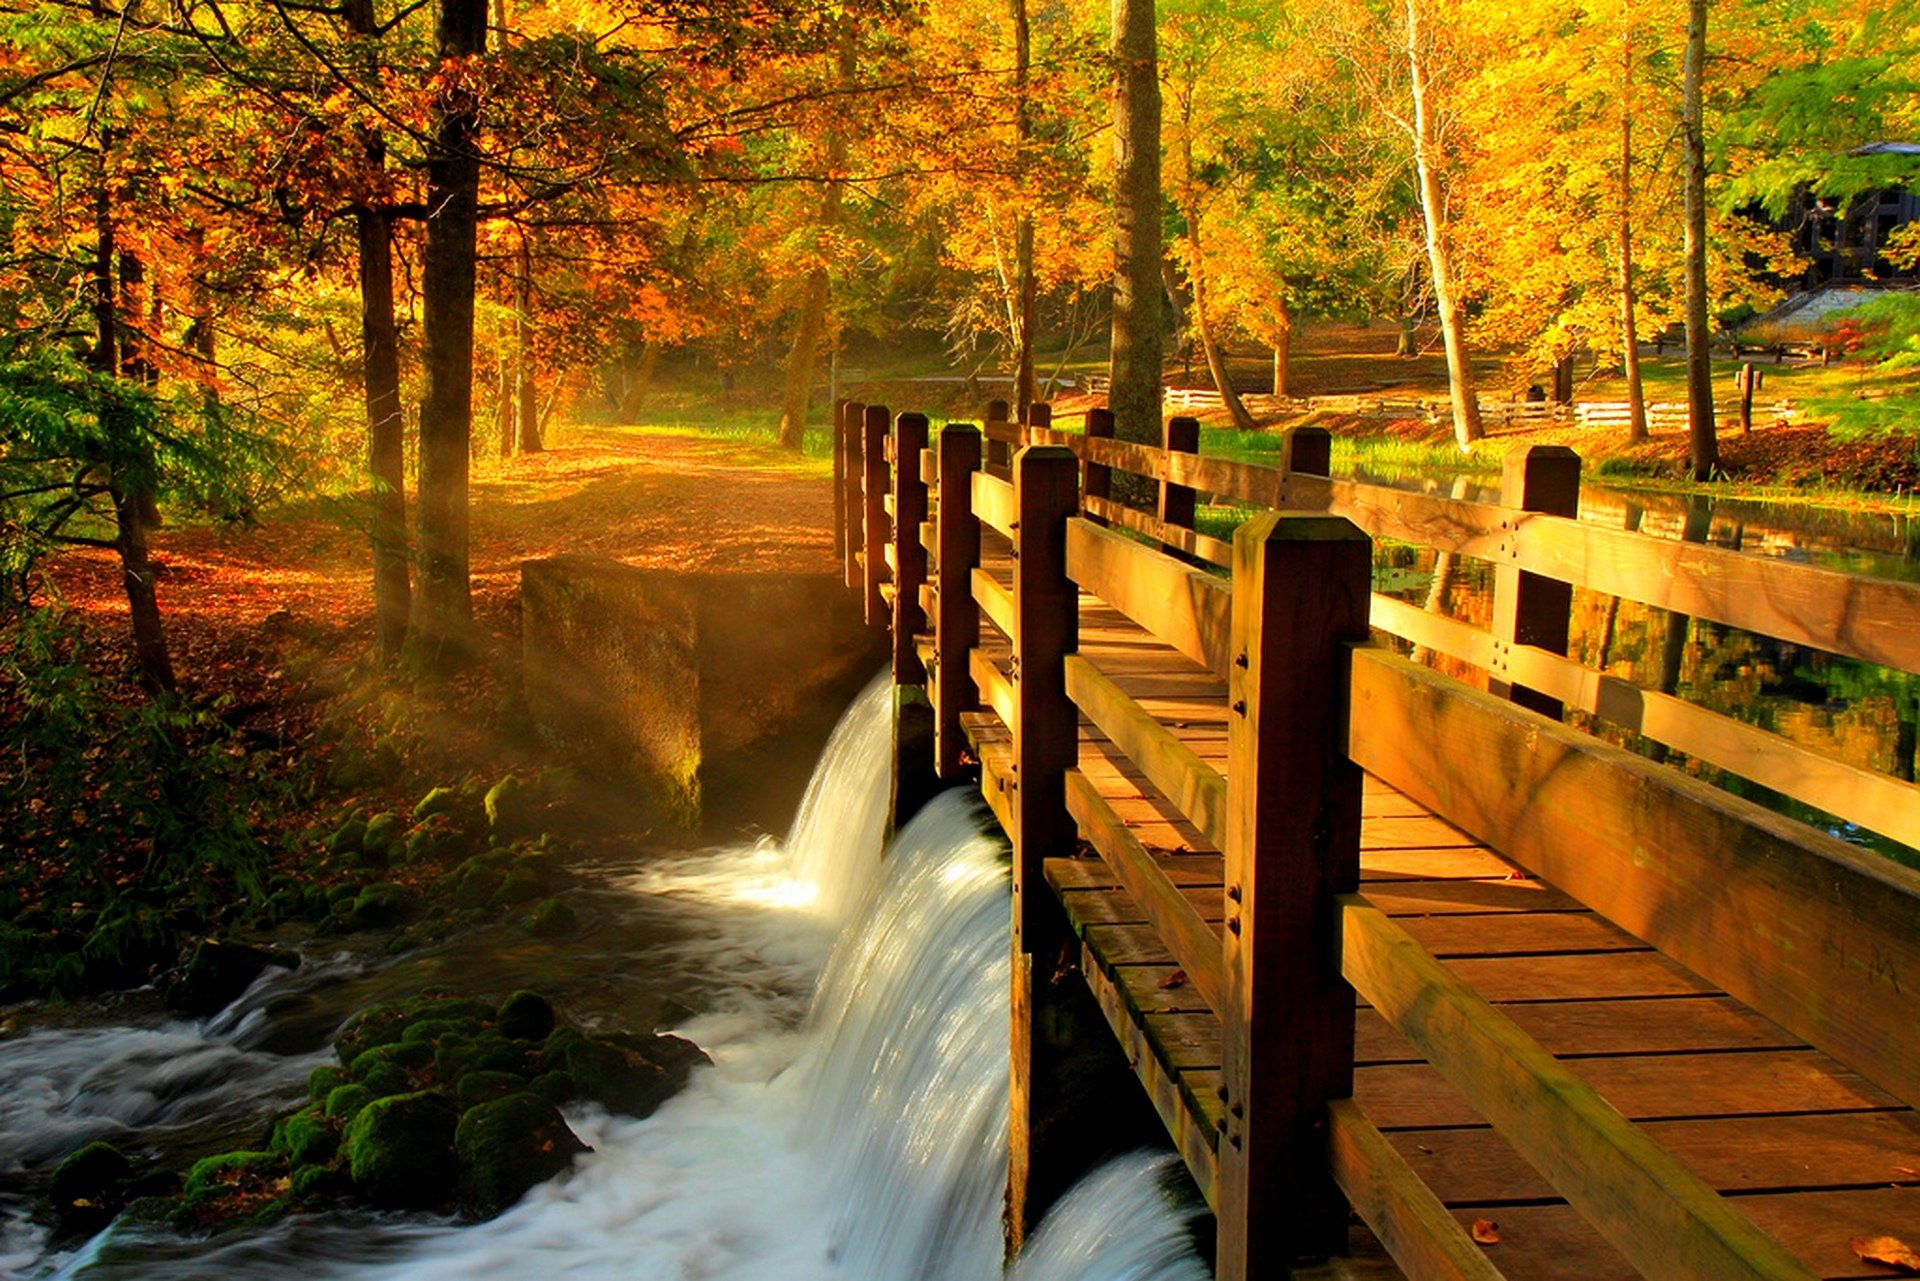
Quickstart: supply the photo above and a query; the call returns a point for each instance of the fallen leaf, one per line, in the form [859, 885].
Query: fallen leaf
[1176, 979]
[1518, 875]
[1486, 1232]
[1889, 1251]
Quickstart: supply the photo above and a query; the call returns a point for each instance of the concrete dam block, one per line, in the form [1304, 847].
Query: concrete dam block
[668, 678]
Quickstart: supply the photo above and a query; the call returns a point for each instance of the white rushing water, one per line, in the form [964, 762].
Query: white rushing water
[853, 1124]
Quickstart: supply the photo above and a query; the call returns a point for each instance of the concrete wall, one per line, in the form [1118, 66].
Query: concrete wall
[662, 677]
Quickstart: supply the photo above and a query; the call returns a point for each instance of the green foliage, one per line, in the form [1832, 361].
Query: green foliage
[137, 819]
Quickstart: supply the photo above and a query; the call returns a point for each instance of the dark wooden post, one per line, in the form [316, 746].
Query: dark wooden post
[1039, 414]
[1182, 436]
[956, 627]
[1300, 585]
[848, 449]
[839, 480]
[909, 553]
[998, 452]
[1529, 609]
[1096, 479]
[1046, 741]
[1308, 450]
[873, 459]
[1748, 382]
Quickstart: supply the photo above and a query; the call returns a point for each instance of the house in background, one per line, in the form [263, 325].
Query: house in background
[1844, 242]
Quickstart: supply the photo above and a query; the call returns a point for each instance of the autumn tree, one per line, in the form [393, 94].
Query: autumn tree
[1138, 327]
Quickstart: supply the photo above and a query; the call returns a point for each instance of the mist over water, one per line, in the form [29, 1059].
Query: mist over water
[852, 1126]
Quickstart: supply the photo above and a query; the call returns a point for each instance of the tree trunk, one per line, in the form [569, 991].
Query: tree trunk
[442, 624]
[1216, 359]
[523, 369]
[386, 437]
[812, 321]
[1023, 375]
[1702, 446]
[1282, 345]
[1466, 402]
[1138, 329]
[1629, 336]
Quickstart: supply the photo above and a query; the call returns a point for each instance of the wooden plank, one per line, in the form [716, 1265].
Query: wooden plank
[1876, 801]
[996, 781]
[993, 502]
[1653, 1210]
[956, 618]
[909, 557]
[1200, 546]
[1734, 1155]
[1193, 1136]
[1248, 482]
[1819, 936]
[1529, 609]
[1875, 619]
[1166, 913]
[1187, 608]
[1446, 524]
[1587, 1028]
[996, 691]
[1198, 790]
[994, 600]
[1402, 1210]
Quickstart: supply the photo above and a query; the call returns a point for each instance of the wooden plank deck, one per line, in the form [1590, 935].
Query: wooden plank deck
[1807, 1149]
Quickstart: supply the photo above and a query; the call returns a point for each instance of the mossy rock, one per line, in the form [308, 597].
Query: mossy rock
[618, 1079]
[525, 1016]
[434, 841]
[315, 903]
[90, 1185]
[492, 1052]
[550, 918]
[556, 1088]
[428, 1031]
[233, 1186]
[387, 1079]
[508, 1146]
[313, 1181]
[475, 885]
[324, 1080]
[345, 1102]
[305, 1138]
[441, 802]
[400, 1150]
[349, 837]
[476, 1088]
[514, 808]
[519, 887]
[381, 904]
[553, 1050]
[377, 1025]
[383, 835]
[218, 972]
[453, 1057]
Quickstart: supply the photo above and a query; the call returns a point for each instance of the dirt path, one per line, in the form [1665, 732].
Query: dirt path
[648, 498]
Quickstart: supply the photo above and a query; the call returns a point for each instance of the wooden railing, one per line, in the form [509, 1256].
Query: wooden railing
[1314, 701]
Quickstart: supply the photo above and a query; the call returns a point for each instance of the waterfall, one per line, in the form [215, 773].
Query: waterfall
[853, 1124]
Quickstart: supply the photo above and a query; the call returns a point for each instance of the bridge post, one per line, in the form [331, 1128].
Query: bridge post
[1039, 414]
[999, 454]
[847, 455]
[838, 438]
[1300, 585]
[1308, 450]
[873, 462]
[1529, 609]
[1046, 742]
[956, 626]
[1096, 479]
[1176, 506]
[909, 553]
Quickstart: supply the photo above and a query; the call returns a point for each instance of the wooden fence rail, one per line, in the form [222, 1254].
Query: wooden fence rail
[1311, 701]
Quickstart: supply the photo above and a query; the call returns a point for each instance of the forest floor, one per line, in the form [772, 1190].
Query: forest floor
[275, 620]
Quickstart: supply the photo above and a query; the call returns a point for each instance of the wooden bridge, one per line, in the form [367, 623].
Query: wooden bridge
[1419, 979]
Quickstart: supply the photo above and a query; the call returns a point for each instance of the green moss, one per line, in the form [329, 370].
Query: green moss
[550, 918]
[345, 1102]
[381, 904]
[400, 1150]
[305, 1138]
[507, 1146]
[519, 886]
[476, 1088]
[348, 837]
[441, 802]
[555, 1087]
[324, 1080]
[216, 1175]
[525, 1016]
